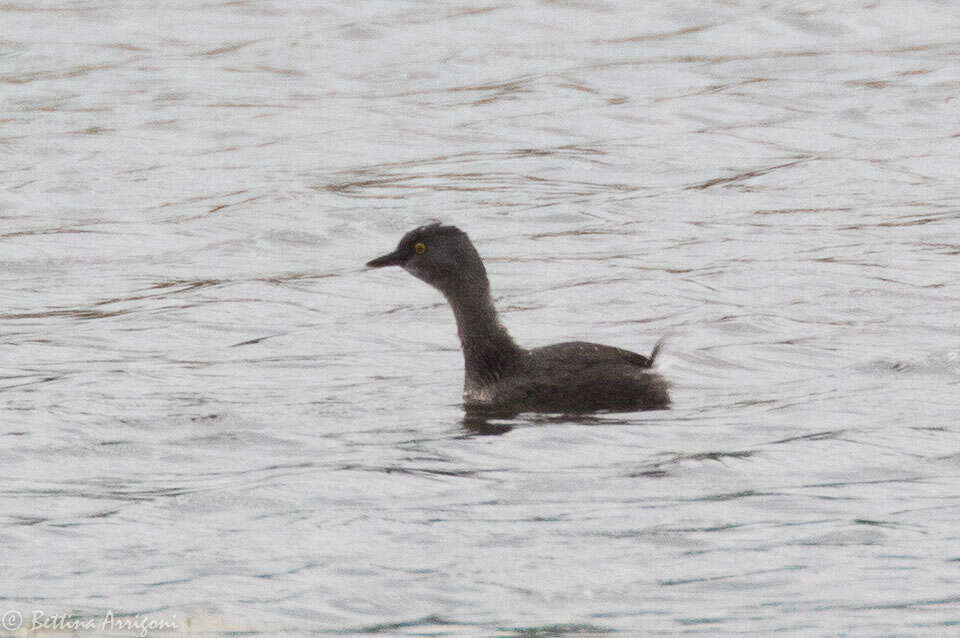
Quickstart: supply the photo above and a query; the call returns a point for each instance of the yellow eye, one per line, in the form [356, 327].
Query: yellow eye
[420, 248]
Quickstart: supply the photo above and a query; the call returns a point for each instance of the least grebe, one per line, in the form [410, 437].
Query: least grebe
[500, 376]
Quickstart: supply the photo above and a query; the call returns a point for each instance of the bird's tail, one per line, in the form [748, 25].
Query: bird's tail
[656, 350]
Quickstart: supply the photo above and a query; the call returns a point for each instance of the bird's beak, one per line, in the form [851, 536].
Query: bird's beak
[391, 259]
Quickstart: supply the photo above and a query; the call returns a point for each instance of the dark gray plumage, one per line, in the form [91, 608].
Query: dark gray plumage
[499, 375]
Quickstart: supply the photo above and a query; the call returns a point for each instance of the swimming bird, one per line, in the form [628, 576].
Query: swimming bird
[500, 376]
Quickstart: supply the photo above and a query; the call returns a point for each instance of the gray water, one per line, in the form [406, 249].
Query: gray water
[213, 416]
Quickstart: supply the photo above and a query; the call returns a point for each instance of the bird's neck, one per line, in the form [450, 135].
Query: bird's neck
[488, 348]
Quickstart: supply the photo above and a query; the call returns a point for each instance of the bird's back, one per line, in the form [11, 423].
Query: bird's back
[583, 354]
[577, 377]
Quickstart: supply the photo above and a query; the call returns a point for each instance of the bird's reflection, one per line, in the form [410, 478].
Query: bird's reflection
[480, 423]
[491, 423]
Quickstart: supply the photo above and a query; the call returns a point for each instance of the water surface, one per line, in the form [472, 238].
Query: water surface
[213, 415]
